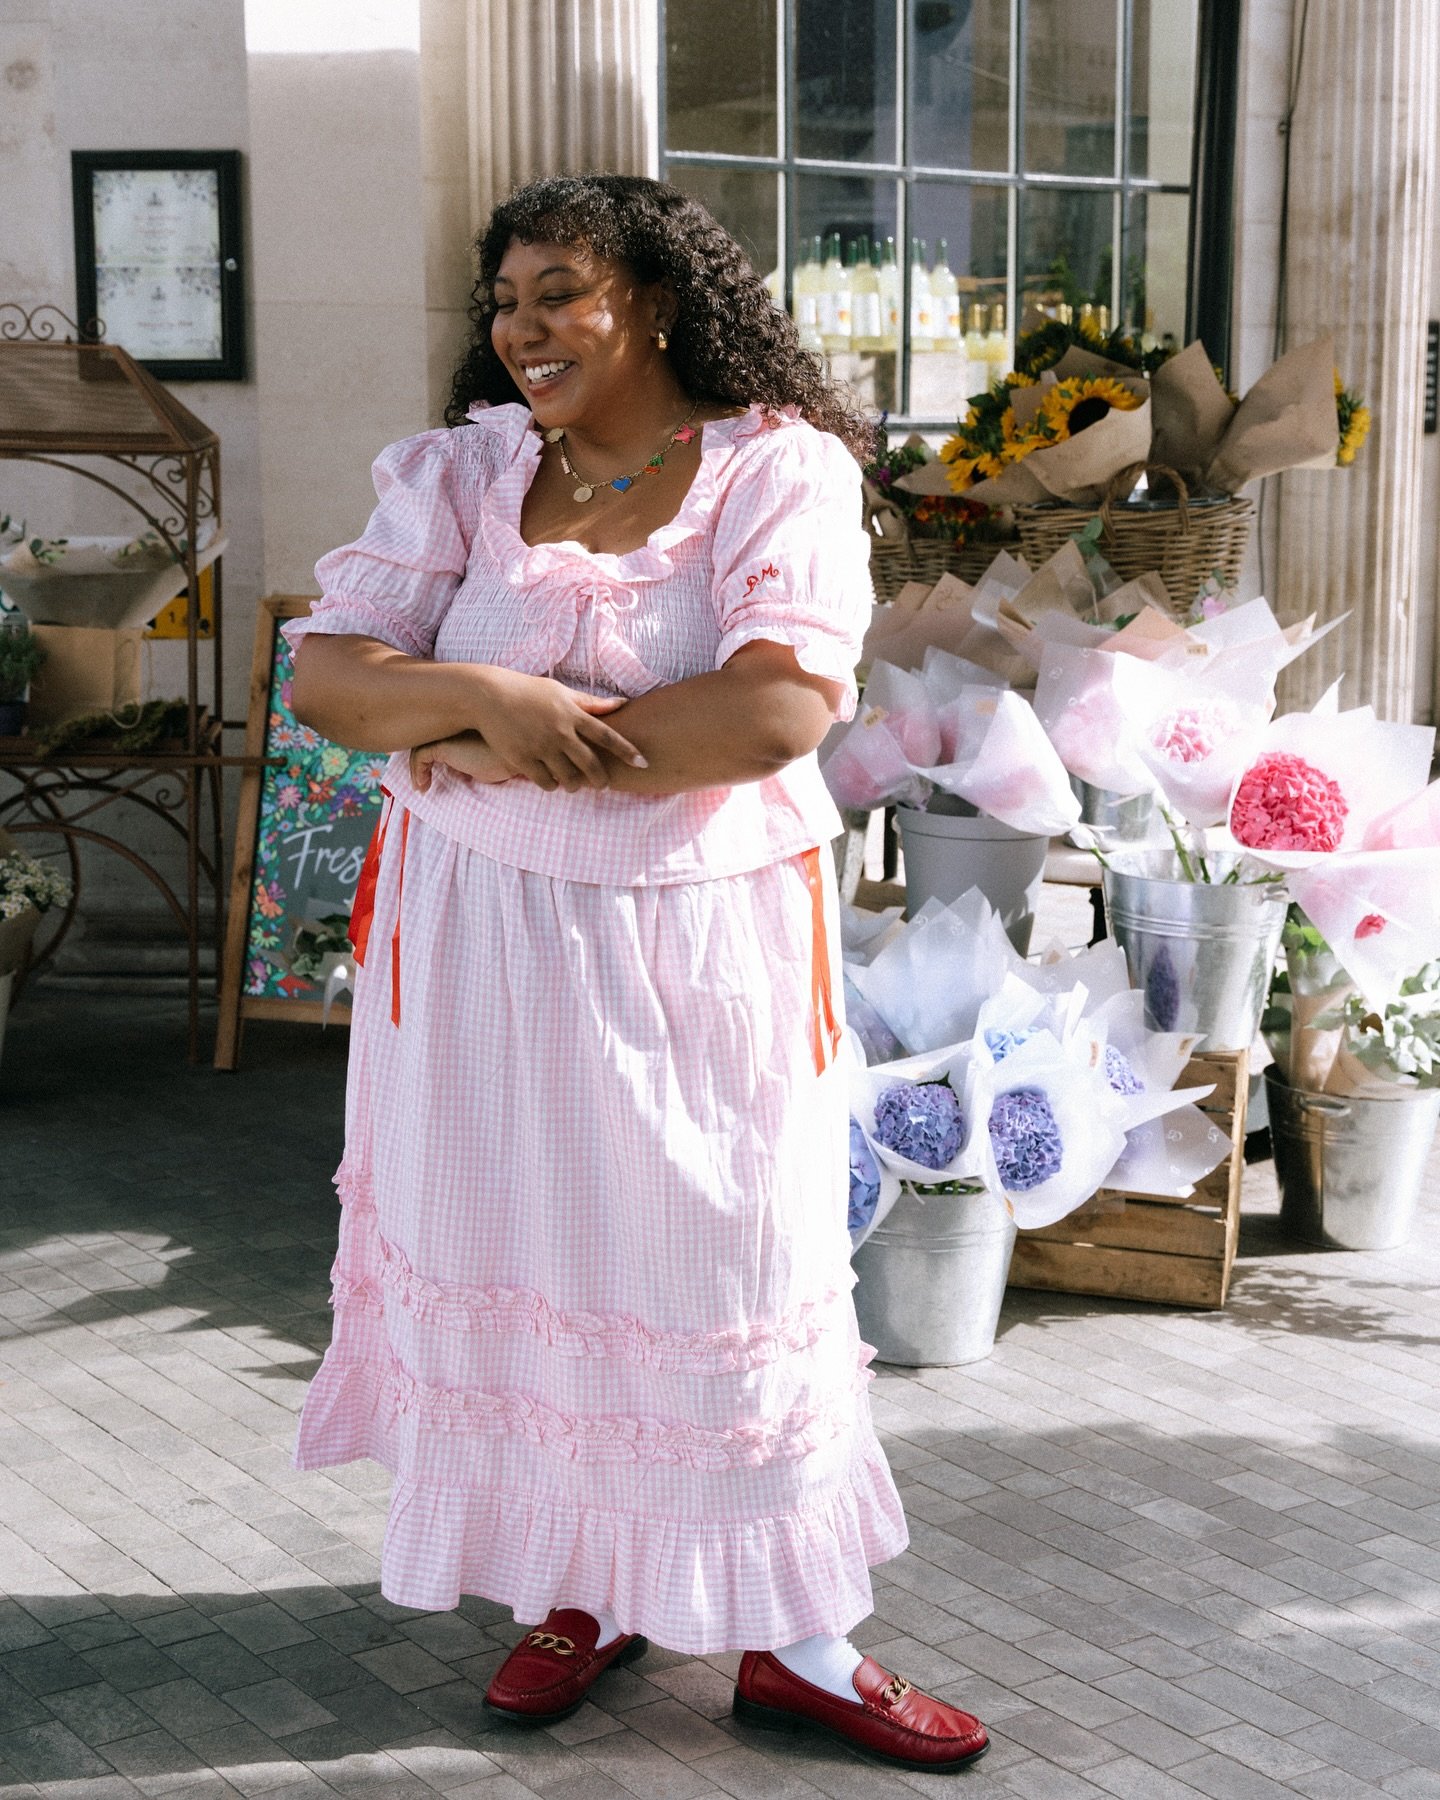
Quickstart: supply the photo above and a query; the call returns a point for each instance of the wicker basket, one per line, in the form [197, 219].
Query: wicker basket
[896, 560]
[1184, 543]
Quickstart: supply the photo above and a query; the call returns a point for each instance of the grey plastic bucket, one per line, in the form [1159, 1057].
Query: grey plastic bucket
[930, 1279]
[947, 853]
[1350, 1165]
[1201, 952]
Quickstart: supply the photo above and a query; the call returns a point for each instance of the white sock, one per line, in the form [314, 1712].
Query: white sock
[609, 1630]
[825, 1662]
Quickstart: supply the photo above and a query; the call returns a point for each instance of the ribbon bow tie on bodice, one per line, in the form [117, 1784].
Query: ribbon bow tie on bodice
[555, 613]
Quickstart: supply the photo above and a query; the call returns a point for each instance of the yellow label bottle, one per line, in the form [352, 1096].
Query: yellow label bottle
[806, 289]
[889, 275]
[997, 343]
[977, 358]
[922, 304]
[836, 323]
[865, 301]
[945, 298]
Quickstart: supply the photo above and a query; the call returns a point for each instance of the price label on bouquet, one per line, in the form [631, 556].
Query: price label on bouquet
[306, 813]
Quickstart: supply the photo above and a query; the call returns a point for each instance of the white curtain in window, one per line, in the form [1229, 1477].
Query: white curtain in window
[556, 87]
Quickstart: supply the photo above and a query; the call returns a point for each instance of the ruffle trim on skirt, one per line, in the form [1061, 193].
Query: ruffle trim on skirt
[354, 1407]
[370, 1267]
[694, 1587]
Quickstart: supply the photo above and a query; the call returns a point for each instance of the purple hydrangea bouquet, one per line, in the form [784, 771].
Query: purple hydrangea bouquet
[1037, 1082]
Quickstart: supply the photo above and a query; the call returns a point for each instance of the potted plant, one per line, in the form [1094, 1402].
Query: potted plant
[1354, 1098]
[21, 654]
[27, 889]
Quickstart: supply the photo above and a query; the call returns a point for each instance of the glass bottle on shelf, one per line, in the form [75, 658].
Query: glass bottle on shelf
[808, 278]
[945, 299]
[889, 278]
[835, 317]
[997, 344]
[977, 360]
[922, 305]
[866, 316]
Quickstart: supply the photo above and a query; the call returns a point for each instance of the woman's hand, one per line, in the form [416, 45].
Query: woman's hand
[466, 754]
[550, 733]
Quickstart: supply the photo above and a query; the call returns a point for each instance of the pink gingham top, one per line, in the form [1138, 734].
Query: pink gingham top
[768, 545]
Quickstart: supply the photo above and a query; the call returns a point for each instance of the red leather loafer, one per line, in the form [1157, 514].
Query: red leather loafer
[894, 1722]
[550, 1671]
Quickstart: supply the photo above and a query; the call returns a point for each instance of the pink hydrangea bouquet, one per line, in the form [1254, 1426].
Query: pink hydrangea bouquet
[944, 729]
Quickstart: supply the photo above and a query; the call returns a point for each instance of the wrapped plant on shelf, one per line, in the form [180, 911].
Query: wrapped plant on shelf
[21, 656]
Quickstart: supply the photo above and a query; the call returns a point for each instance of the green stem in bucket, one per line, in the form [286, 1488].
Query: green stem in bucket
[1175, 838]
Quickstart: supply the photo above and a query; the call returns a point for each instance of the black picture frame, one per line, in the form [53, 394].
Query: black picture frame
[227, 296]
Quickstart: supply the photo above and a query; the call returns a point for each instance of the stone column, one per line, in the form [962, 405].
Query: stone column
[1362, 194]
[557, 87]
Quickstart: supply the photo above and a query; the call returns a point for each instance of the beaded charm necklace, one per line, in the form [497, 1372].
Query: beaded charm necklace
[585, 489]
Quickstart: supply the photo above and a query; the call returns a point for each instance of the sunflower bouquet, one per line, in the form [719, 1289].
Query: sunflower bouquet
[1353, 418]
[1298, 415]
[1061, 434]
[1043, 342]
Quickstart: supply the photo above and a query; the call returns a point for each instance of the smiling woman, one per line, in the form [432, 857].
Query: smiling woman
[592, 1292]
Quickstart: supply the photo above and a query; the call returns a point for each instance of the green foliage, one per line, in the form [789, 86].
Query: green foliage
[328, 936]
[1043, 347]
[1404, 1039]
[155, 720]
[21, 654]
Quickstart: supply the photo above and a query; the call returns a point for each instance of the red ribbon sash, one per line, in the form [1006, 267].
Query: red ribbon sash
[825, 1030]
[362, 914]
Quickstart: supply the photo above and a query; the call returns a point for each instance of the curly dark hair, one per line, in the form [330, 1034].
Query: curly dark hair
[729, 344]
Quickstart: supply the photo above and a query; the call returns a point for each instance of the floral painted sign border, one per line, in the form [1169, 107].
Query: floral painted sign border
[307, 809]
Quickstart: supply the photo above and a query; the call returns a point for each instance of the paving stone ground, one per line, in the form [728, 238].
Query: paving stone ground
[1163, 1554]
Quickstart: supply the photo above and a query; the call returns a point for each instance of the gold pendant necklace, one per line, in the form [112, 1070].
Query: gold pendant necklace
[585, 489]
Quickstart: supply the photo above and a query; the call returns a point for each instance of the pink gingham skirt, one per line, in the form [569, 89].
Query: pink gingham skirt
[592, 1295]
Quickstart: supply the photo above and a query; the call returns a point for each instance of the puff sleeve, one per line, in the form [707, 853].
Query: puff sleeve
[791, 556]
[396, 581]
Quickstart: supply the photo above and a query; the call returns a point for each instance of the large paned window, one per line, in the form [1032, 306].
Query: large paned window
[912, 174]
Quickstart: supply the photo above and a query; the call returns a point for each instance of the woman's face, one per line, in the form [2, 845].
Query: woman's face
[576, 331]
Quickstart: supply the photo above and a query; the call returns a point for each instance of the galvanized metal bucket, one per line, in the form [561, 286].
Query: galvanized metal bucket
[1350, 1166]
[931, 1277]
[1118, 818]
[947, 853]
[1201, 952]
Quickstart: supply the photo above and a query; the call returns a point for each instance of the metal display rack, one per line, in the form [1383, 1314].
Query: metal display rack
[70, 401]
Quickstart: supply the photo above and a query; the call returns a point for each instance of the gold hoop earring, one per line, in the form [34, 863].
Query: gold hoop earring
[661, 341]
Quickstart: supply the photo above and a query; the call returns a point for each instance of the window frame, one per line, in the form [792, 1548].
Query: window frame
[1209, 187]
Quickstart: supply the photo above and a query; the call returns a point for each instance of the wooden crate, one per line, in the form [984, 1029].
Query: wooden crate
[1145, 1246]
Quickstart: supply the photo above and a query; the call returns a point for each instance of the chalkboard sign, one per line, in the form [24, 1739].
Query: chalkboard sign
[307, 809]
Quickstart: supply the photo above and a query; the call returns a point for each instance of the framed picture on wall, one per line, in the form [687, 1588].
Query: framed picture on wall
[157, 258]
